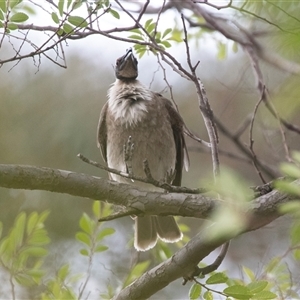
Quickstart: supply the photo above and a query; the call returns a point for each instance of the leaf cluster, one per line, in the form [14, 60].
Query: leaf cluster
[149, 33]
[92, 234]
[68, 22]
[235, 289]
[292, 172]
[11, 13]
[22, 250]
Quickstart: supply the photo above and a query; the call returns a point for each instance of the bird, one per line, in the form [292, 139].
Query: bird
[155, 128]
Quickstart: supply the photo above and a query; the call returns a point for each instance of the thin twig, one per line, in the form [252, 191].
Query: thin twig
[120, 214]
[263, 165]
[204, 106]
[163, 185]
[251, 140]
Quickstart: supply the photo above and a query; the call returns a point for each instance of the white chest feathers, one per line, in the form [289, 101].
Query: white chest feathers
[127, 102]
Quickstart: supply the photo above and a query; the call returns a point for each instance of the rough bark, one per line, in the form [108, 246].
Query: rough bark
[257, 214]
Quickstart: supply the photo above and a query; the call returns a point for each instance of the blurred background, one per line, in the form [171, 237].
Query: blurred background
[49, 114]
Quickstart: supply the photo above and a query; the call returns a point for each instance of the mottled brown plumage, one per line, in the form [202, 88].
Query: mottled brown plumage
[156, 130]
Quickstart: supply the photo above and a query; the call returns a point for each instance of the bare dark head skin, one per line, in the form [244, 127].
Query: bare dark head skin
[127, 66]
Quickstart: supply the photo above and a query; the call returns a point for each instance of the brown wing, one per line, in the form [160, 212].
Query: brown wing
[102, 132]
[181, 150]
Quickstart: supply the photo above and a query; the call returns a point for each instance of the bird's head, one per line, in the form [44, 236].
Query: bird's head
[127, 66]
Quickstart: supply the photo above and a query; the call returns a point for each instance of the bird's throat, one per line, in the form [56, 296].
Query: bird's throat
[128, 102]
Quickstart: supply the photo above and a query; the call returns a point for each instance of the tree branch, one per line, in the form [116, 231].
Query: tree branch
[131, 197]
[183, 263]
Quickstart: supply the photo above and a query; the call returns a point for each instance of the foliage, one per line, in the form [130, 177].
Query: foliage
[23, 250]
[147, 34]
[292, 172]
[23, 254]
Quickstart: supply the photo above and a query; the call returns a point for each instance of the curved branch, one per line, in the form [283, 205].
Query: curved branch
[131, 197]
[95, 188]
[183, 263]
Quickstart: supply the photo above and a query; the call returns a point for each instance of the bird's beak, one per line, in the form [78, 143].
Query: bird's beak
[127, 66]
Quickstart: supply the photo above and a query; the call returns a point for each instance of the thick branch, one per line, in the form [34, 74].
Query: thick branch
[83, 185]
[183, 263]
[150, 203]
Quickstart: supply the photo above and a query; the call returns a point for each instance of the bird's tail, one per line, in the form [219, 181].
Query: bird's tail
[148, 228]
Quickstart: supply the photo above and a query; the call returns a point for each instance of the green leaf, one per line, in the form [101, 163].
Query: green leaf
[296, 156]
[34, 251]
[249, 273]
[43, 216]
[24, 280]
[291, 207]
[1, 229]
[13, 3]
[36, 274]
[235, 47]
[105, 232]
[84, 238]
[287, 187]
[208, 295]
[114, 13]
[55, 18]
[63, 272]
[19, 229]
[61, 7]
[60, 32]
[222, 51]
[84, 252]
[4, 247]
[138, 269]
[217, 278]
[3, 5]
[69, 3]
[166, 44]
[238, 292]
[1, 15]
[295, 234]
[151, 27]
[142, 52]
[176, 35]
[166, 32]
[101, 248]
[77, 4]
[257, 286]
[106, 3]
[86, 224]
[165, 251]
[136, 37]
[19, 17]
[296, 254]
[195, 291]
[147, 23]
[97, 209]
[78, 21]
[265, 295]
[31, 222]
[137, 31]
[39, 237]
[272, 264]
[290, 169]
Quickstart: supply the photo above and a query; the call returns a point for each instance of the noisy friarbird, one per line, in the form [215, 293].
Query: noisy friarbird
[156, 129]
